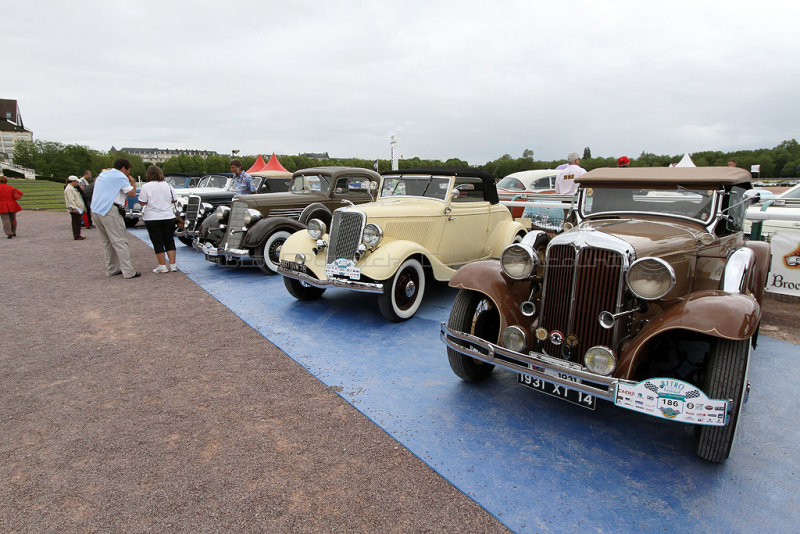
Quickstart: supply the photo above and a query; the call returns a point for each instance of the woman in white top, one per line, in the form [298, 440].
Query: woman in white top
[157, 198]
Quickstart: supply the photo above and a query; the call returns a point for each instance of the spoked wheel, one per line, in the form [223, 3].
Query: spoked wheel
[473, 313]
[268, 254]
[402, 293]
[302, 290]
[725, 378]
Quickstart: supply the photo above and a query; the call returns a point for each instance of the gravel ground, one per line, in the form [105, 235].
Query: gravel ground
[146, 405]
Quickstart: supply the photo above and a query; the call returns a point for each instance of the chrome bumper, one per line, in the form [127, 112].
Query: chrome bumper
[228, 253]
[533, 364]
[364, 287]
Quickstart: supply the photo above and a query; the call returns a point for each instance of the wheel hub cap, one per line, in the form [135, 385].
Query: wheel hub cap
[410, 288]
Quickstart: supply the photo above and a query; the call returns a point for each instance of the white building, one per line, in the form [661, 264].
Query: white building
[160, 155]
[11, 129]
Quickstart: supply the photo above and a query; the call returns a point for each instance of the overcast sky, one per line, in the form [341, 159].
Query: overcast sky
[472, 80]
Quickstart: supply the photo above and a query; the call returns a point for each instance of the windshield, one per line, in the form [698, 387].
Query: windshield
[213, 181]
[692, 203]
[415, 186]
[311, 182]
[175, 180]
[509, 182]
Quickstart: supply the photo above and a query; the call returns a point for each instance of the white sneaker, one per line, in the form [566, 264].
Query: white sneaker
[173, 267]
[161, 269]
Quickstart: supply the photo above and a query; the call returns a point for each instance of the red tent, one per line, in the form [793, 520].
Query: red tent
[259, 165]
[274, 164]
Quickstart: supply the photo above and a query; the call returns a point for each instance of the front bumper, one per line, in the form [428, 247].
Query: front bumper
[533, 364]
[355, 285]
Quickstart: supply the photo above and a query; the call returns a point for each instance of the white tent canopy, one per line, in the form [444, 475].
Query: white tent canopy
[685, 161]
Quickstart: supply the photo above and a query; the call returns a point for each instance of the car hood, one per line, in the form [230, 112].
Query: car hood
[264, 202]
[390, 208]
[645, 237]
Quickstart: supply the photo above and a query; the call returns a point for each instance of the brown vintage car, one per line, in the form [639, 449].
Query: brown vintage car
[252, 231]
[652, 301]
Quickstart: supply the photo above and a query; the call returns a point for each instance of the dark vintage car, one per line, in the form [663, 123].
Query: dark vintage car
[190, 184]
[652, 301]
[252, 231]
[200, 204]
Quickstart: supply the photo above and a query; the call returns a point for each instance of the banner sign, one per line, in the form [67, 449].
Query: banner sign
[784, 276]
[755, 168]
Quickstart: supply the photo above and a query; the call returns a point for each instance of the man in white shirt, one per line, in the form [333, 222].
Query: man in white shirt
[565, 180]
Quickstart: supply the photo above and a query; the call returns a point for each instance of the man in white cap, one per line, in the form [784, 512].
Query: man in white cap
[565, 180]
[75, 206]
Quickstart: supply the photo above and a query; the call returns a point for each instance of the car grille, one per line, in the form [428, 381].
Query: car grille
[579, 284]
[191, 210]
[345, 234]
[235, 223]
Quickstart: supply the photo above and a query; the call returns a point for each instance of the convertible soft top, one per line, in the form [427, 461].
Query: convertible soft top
[490, 190]
[677, 175]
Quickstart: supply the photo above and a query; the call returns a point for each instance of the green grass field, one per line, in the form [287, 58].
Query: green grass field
[40, 194]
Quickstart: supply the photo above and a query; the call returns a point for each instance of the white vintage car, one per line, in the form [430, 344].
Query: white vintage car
[786, 206]
[424, 221]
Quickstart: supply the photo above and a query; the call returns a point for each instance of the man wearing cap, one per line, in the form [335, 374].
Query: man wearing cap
[108, 198]
[75, 206]
[623, 161]
[565, 179]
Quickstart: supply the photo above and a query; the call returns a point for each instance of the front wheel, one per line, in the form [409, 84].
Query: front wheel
[725, 378]
[268, 255]
[473, 313]
[185, 240]
[402, 293]
[130, 223]
[302, 290]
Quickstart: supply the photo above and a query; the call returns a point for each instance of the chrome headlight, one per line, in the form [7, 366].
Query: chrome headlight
[650, 278]
[519, 261]
[600, 360]
[251, 216]
[205, 206]
[316, 229]
[372, 235]
[514, 338]
[222, 213]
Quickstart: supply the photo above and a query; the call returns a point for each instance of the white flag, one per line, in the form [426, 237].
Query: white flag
[755, 168]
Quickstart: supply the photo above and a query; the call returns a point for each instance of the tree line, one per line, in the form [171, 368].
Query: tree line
[56, 161]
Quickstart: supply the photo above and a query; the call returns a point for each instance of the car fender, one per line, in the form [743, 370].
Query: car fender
[261, 230]
[208, 225]
[315, 211]
[760, 268]
[487, 277]
[382, 262]
[503, 235]
[715, 313]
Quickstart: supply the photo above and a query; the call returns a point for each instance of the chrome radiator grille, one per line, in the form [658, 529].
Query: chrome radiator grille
[579, 284]
[191, 209]
[346, 229]
[235, 223]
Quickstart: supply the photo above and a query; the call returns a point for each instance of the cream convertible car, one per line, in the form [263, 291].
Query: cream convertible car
[433, 220]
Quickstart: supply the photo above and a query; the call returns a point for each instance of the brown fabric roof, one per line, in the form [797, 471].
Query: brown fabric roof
[726, 175]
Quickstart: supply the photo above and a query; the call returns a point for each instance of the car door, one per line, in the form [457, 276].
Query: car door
[466, 226]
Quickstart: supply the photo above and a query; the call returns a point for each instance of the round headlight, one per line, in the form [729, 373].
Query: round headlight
[519, 261]
[650, 278]
[514, 338]
[222, 213]
[372, 235]
[600, 360]
[316, 229]
[250, 216]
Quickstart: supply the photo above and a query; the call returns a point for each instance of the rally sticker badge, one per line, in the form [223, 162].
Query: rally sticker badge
[672, 399]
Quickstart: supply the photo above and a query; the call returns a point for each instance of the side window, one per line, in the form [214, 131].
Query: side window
[341, 186]
[736, 209]
[542, 183]
[469, 190]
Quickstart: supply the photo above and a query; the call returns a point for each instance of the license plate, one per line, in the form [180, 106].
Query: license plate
[556, 390]
[292, 266]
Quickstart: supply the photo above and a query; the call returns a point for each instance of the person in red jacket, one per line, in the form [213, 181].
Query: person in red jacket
[9, 206]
